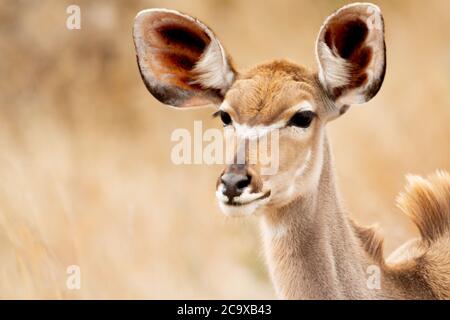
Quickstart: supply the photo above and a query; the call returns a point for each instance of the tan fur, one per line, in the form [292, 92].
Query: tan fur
[313, 249]
[325, 255]
[372, 242]
[262, 94]
[427, 203]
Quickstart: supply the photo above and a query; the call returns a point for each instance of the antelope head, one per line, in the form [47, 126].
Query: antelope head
[183, 64]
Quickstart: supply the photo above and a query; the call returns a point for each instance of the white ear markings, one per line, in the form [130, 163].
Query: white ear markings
[213, 69]
[350, 52]
[337, 69]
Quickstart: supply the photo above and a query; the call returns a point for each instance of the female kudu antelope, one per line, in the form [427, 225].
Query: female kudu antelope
[313, 249]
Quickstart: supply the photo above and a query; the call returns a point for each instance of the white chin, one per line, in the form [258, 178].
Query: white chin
[242, 210]
[238, 211]
[244, 205]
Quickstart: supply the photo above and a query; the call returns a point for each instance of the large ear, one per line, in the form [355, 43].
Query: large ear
[180, 59]
[351, 54]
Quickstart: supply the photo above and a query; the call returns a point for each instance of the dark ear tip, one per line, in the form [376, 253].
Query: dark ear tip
[149, 12]
[144, 17]
[146, 14]
[364, 5]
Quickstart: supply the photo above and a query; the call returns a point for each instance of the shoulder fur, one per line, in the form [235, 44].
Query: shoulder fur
[371, 241]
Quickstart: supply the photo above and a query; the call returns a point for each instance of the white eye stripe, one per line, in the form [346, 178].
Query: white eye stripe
[245, 131]
[302, 107]
[225, 106]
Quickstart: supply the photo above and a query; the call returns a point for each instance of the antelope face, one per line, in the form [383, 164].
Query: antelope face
[279, 105]
[275, 113]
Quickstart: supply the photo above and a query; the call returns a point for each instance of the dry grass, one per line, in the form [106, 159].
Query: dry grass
[85, 170]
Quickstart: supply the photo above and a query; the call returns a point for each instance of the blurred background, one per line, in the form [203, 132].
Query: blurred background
[85, 172]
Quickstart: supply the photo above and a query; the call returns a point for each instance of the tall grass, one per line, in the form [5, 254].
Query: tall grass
[85, 171]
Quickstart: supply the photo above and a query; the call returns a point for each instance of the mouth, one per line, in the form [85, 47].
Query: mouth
[242, 205]
[238, 202]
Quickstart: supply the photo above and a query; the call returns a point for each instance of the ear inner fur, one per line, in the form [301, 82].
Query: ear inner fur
[351, 53]
[169, 46]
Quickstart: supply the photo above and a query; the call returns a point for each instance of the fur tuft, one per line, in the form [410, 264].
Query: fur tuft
[371, 241]
[427, 203]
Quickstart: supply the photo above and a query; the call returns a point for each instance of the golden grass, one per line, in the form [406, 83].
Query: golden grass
[85, 170]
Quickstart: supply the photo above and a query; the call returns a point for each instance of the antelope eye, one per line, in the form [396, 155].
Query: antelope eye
[302, 119]
[225, 117]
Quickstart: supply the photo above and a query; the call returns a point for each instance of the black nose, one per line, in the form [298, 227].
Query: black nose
[234, 184]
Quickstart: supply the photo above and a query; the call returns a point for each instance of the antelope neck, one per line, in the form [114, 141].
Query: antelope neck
[311, 248]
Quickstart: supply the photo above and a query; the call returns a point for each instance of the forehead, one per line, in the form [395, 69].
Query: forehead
[265, 93]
